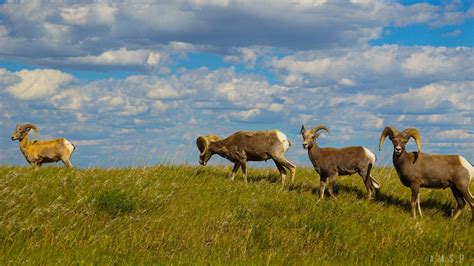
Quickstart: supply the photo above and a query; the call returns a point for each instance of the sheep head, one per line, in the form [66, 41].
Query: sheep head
[22, 130]
[202, 143]
[309, 136]
[399, 140]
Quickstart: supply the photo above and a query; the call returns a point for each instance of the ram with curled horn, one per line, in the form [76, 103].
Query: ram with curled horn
[42, 151]
[244, 146]
[332, 162]
[417, 170]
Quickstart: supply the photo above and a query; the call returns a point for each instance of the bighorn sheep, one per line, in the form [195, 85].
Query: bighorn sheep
[243, 146]
[417, 169]
[39, 152]
[331, 162]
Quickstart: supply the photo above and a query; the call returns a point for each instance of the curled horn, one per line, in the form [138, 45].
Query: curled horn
[213, 138]
[319, 127]
[26, 126]
[388, 131]
[303, 128]
[413, 132]
[203, 144]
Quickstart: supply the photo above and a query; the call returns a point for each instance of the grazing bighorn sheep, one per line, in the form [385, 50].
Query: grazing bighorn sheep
[331, 162]
[39, 152]
[417, 169]
[243, 146]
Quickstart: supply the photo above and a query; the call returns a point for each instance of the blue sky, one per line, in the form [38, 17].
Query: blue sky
[134, 83]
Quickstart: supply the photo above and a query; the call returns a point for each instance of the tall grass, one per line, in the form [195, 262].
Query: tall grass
[184, 214]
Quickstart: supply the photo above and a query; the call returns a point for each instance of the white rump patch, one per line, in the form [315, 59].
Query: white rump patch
[369, 155]
[283, 139]
[468, 166]
[69, 145]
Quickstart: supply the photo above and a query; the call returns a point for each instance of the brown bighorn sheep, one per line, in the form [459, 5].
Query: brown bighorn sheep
[39, 152]
[417, 169]
[243, 146]
[331, 162]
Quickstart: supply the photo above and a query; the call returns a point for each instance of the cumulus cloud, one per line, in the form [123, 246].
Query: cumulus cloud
[433, 98]
[375, 65]
[454, 134]
[120, 57]
[139, 110]
[93, 14]
[38, 83]
[96, 33]
[298, 62]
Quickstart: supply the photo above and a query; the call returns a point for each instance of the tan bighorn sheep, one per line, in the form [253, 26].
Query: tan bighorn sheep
[39, 152]
[244, 146]
[417, 169]
[331, 162]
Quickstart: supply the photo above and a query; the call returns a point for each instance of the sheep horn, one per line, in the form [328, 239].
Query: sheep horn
[303, 129]
[203, 144]
[388, 131]
[26, 126]
[213, 138]
[319, 127]
[413, 132]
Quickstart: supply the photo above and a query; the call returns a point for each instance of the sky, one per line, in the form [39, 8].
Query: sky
[134, 83]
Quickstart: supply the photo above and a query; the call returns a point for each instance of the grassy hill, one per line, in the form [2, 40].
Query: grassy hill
[184, 214]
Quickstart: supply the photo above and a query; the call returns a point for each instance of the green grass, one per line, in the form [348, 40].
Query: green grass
[188, 215]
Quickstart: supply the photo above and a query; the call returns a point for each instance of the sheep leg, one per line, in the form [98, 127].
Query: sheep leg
[67, 163]
[282, 171]
[414, 199]
[367, 183]
[322, 187]
[418, 205]
[469, 199]
[291, 167]
[234, 170]
[460, 200]
[332, 182]
[243, 165]
[35, 165]
[375, 184]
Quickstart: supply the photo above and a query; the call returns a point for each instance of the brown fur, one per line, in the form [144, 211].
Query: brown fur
[39, 152]
[244, 146]
[331, 162]
[417, 169]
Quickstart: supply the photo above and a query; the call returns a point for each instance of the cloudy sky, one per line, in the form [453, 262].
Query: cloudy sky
[135, 82]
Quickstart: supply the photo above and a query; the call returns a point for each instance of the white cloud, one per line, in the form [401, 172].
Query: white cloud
[181, 46]
[346, 82]
[38, 83]
[247, 56]
[437, 61]
[453, 95]
[244, 115]
[454, 33]
[93, 14]
[85, 30]
[120, 57]
[162, 90]
[454, 134]
[388, 64]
